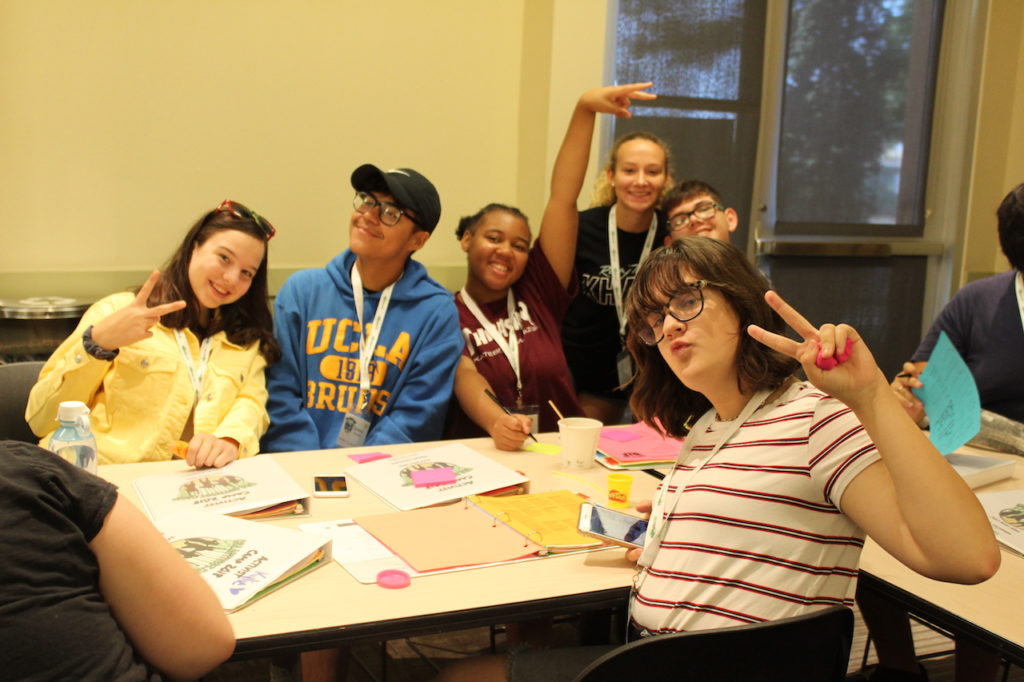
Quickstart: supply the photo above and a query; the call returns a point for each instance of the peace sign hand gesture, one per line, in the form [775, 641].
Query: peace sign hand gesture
[616, 99]
[133, 323]
[835, 357]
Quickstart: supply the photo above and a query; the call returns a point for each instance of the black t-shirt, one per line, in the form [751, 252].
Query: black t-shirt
[590, 330]
[54, 623]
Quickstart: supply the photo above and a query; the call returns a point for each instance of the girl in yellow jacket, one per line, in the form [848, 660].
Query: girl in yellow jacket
[182, 359]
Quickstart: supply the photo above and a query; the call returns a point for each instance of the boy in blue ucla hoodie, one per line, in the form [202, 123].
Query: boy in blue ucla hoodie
[376, 373]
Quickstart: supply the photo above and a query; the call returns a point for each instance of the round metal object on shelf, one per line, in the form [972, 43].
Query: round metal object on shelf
[32, 328]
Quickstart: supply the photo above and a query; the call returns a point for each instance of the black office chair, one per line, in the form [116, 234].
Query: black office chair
[16, 380]
[810, 648]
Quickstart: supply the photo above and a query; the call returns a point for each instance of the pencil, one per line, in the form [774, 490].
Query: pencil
[506, 410]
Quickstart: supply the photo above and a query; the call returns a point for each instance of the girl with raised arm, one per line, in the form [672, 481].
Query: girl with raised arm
[515, 297]
[615, 236]
[181, 359]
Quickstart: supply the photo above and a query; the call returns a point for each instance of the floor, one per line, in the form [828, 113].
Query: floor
[418, 659]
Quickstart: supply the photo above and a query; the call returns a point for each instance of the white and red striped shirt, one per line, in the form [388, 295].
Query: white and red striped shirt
[758, 533]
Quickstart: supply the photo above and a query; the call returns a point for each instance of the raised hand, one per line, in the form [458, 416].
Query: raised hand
[616, 99]
[854, 376]
[133, 323]
[206, 450]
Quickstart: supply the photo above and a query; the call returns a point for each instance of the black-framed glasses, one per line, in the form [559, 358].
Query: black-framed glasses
[390, 213]
[702, 211]
[683, 306]
[245, 213]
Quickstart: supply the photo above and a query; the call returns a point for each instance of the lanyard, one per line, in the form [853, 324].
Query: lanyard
[664, 508]
[510, 345]
[368, 343]
[1019, 286]
[195, 374]
[613, 262]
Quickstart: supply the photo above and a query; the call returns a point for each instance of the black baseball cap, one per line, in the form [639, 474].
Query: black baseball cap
[409, 188]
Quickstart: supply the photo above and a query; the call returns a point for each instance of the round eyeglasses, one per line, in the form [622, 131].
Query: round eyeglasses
[683, 307]
[702, 211]
[389, 214]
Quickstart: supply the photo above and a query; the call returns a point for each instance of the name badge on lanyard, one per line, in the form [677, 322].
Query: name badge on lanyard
[623, 361]
[196, 373]
[356, 424]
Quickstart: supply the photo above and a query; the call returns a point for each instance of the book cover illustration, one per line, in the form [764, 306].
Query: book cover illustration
[255, 487]
[242, 560]
[434, 476]
[1005, 511]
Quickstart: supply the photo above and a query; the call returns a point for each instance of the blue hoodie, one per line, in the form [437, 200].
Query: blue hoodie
[317, 380]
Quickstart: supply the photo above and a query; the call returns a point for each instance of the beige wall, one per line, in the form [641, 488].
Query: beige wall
[998, 156]
[124, 120]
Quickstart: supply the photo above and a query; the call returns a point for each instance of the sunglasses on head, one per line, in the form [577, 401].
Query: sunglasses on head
[245, 213]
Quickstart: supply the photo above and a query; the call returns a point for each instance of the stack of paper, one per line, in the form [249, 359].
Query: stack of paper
[636, 446]
[255, 487]
[242, 560]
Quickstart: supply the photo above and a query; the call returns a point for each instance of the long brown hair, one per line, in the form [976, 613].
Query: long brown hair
[246, 320]
[658, 394]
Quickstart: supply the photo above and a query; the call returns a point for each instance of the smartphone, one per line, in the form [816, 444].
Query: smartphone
[611, 526]
[330, 486]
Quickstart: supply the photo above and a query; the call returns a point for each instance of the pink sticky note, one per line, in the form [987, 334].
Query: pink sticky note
[425, 478]
[619, 435]
[368, 457]
[833, 362]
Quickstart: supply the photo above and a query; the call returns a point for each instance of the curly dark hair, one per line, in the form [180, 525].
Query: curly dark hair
[246, 320]
[659, 398]
[470, 222]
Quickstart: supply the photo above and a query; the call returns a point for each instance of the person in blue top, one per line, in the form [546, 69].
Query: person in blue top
[370, 342]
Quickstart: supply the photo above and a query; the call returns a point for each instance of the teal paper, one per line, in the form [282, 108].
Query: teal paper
[950, 398]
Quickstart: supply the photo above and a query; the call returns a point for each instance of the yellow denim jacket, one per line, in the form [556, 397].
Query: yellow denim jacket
[140, 401]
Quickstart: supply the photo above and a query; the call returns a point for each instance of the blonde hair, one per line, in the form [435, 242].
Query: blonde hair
[604, 192]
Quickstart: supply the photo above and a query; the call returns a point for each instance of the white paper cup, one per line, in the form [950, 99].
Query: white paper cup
[579, 441]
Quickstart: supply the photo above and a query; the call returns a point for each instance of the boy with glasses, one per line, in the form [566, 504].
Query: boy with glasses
[696, 208]
[370, 342]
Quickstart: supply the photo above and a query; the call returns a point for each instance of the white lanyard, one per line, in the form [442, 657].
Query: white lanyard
[510, 345]
[664, 508]
[368, 343]
[195, 374]
[1019, 286]
[613, 262]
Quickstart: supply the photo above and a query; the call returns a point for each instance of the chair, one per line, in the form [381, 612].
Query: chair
[16, 380]
[814, 648]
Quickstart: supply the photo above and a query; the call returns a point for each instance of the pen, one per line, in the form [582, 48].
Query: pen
[904, 375]
[505, 409]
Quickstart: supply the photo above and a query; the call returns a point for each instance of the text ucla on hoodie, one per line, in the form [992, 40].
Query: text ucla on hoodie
[316, 381]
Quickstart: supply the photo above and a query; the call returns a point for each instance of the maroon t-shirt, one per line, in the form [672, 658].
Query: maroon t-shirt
[541, 302]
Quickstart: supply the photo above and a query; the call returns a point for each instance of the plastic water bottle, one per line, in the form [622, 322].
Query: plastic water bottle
[73, 439]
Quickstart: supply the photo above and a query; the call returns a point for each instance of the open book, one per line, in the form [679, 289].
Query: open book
[255, 487]
[242, 560]
[435, 476]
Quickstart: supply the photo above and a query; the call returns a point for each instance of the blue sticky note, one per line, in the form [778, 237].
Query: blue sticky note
[950, 398]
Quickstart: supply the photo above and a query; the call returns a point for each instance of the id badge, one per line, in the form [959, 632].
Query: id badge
[353, 431]
[624, 365]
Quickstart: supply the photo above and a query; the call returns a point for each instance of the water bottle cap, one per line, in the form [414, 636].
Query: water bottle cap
[71, 410]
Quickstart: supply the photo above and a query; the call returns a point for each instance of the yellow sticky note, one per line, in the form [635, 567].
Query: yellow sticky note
[546, 448]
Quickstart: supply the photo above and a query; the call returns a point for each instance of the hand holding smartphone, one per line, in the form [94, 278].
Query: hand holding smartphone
[330, 486]
[611, 526]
